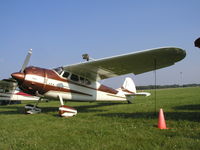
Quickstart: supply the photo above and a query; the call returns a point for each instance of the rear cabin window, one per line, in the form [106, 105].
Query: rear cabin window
[65, 74]
[82, 80]
[87, 82]
[74, 78]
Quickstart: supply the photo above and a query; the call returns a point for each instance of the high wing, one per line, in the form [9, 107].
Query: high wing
[136, 63]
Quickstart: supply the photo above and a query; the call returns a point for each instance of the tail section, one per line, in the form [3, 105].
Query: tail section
[129, 86]
[129, 90]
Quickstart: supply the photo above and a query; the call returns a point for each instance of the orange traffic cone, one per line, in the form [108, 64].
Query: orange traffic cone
[161, 120]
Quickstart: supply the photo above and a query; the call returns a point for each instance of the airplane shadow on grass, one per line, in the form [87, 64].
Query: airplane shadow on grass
[9, 110]
[83, 108]
[190, 116]
[188, 107]
[190, 113]
[89, 108]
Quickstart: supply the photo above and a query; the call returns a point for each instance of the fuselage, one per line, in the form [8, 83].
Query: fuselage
[57, 82]
[17, 96]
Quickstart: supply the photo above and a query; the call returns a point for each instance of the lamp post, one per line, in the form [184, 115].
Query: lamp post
[181, 84]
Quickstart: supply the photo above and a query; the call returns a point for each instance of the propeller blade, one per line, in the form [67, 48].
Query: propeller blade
[26, 61]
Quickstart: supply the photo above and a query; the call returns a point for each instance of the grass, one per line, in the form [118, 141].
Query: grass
[100, 126]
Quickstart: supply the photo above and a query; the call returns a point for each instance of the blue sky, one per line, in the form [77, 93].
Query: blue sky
[60, 31]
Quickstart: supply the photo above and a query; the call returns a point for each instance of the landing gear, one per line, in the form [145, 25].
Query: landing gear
[130, 99]
[66, 111]
[33, 109]
[129, 102]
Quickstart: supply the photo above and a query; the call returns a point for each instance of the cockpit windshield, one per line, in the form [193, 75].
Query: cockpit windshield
[59, 70]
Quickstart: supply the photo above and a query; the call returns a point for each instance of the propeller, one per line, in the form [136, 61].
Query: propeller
[13, 82]
[19, 76]
[26, 61]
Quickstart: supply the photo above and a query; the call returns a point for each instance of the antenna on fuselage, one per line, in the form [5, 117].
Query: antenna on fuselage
[87, 57]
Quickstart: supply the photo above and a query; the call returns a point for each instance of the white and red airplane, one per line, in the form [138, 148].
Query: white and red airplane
[9, 94]
[80, 82]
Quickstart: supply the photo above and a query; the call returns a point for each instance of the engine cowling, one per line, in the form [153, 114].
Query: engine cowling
[31, 80]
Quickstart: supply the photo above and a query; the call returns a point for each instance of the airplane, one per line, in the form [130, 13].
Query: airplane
[80, 82]
[9, 94]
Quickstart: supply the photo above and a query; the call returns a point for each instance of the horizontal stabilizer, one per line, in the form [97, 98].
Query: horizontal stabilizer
[129, 90]
[139, 94]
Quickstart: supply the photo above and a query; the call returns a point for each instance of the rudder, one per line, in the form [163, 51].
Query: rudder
[128, 85]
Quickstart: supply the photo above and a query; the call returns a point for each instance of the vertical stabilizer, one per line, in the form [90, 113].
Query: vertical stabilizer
[129, 85]
[129, 88]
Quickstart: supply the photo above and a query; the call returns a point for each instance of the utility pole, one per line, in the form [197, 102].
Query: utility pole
[181, 79]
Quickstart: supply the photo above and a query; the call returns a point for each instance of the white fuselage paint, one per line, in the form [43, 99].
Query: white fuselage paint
[14, 96]
[79, 92]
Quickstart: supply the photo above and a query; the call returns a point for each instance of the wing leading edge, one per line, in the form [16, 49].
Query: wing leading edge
[136, 63]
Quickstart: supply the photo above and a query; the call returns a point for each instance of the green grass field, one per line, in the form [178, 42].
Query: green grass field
[107, 126]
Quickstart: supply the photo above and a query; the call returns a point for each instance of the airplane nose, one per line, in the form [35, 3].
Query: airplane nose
[18, 76]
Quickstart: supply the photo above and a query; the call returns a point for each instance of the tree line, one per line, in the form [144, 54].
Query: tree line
[165, 86]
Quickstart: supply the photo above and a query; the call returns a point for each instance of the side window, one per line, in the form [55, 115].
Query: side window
[87, 82]
[65, 74]
[74, 78]
[6, 90]
[82, 80]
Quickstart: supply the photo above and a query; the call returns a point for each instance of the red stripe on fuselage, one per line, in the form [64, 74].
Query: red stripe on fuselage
[23, 94]
[125, 90]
